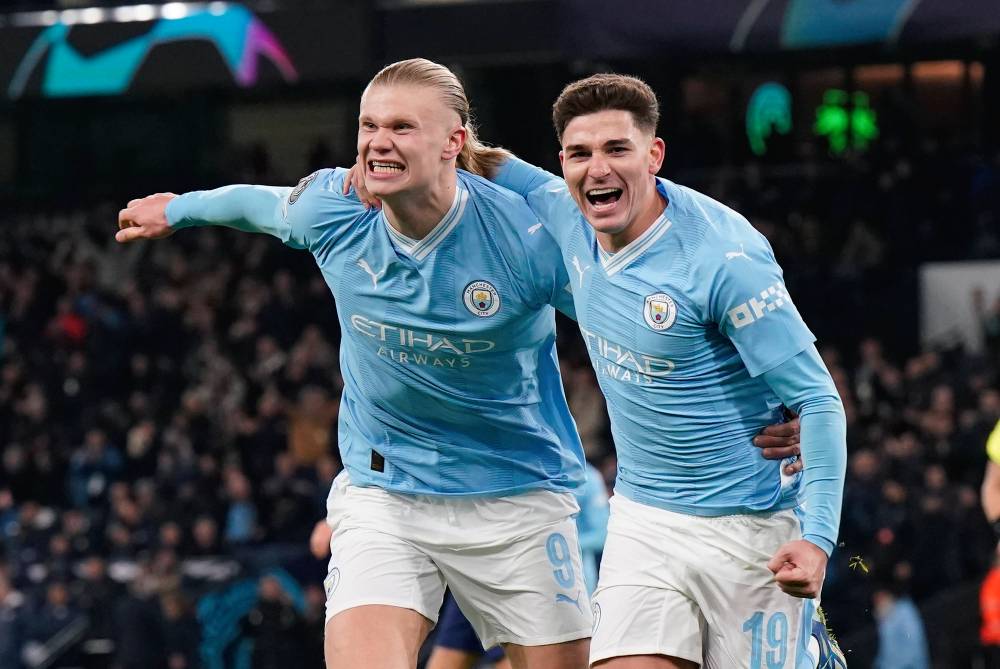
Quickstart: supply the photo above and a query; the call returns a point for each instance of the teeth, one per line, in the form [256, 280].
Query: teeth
[385, 168]
[602, 191]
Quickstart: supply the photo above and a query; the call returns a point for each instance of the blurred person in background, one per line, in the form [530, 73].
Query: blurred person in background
[989, 594]
[276, 627]
[902, 643]
[13, 622]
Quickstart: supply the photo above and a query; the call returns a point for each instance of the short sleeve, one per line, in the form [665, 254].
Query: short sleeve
[316, 210]
[750, 303]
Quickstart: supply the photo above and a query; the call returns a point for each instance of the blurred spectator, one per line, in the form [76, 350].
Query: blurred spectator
[989, 608]
[311, 425]
[241, 517]
[181, 635]
[276, 628]
[93, 467]
[53, 615]
[95, 593]
[139, 638]
[902, 643]
[12, 624]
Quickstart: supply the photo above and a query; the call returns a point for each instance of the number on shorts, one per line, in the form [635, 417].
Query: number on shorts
[561, 559]
[777, 637]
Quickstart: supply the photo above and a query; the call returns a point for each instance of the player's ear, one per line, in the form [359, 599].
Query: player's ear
[562, 157]
[657, 152]
[456, 140]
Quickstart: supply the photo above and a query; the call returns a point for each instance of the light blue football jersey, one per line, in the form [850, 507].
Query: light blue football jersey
[592, 523]
[451, 382]
[679, 325]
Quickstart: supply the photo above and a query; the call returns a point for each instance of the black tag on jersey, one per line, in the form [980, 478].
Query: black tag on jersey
[303, 184]
[378, 462]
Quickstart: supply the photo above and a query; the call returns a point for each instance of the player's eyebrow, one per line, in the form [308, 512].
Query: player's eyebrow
[386, 120]
[611, 143]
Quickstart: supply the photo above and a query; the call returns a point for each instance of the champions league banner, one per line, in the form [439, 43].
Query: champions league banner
[109, 51]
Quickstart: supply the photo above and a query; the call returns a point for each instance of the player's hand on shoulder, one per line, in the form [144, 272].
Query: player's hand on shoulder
[145, 218]
[780, 441]
[799, 568]
[356, 179]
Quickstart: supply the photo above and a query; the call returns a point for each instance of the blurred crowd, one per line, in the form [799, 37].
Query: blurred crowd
[168, 415]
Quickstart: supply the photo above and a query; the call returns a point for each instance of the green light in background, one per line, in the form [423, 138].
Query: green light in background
[769, 111]
[840, 124]
[864, 122]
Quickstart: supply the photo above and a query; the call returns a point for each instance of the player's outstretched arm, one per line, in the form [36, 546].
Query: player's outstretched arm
[145, 218]
[804, 384]
[242, 207]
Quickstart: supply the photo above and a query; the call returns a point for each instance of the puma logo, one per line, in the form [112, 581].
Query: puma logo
[737, 254]
[363, 264]
[560, 597]
[579, 270]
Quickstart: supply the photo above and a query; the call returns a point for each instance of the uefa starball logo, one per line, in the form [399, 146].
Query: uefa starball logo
[659, 311]
[481, 298]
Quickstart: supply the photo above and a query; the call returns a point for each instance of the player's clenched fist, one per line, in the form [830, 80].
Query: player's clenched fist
[145, 218]
[799, 568]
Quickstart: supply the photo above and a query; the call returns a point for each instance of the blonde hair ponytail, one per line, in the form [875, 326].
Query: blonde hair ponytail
[475, 157]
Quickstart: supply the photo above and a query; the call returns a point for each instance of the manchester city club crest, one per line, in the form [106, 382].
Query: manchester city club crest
[659, 311]
[482, 298]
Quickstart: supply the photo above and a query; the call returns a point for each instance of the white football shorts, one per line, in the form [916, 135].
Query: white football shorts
[512, 563]
[697, 588]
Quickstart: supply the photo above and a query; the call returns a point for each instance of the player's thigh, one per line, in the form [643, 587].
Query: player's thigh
[523, 582]
[642, 605]
[751, 622]
[375, 637]
[373, 561]
[637, 621]
[566, 655]
[369, 567]
[451, 658]
[758, 630]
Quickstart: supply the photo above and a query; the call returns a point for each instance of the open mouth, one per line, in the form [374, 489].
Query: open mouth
[385, 167]
[603, 197]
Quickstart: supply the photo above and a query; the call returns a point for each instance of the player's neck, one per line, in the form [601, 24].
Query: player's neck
[651, 211]
[415, 214]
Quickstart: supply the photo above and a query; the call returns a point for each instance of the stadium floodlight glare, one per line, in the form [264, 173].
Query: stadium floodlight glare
[174, 10]
[124, 14]
[144, 12]
[92, 15]
[68, 17]
[217, 8]
[49, 17]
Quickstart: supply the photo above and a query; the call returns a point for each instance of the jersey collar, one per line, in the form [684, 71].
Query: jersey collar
[616, 262]
[418, 249]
